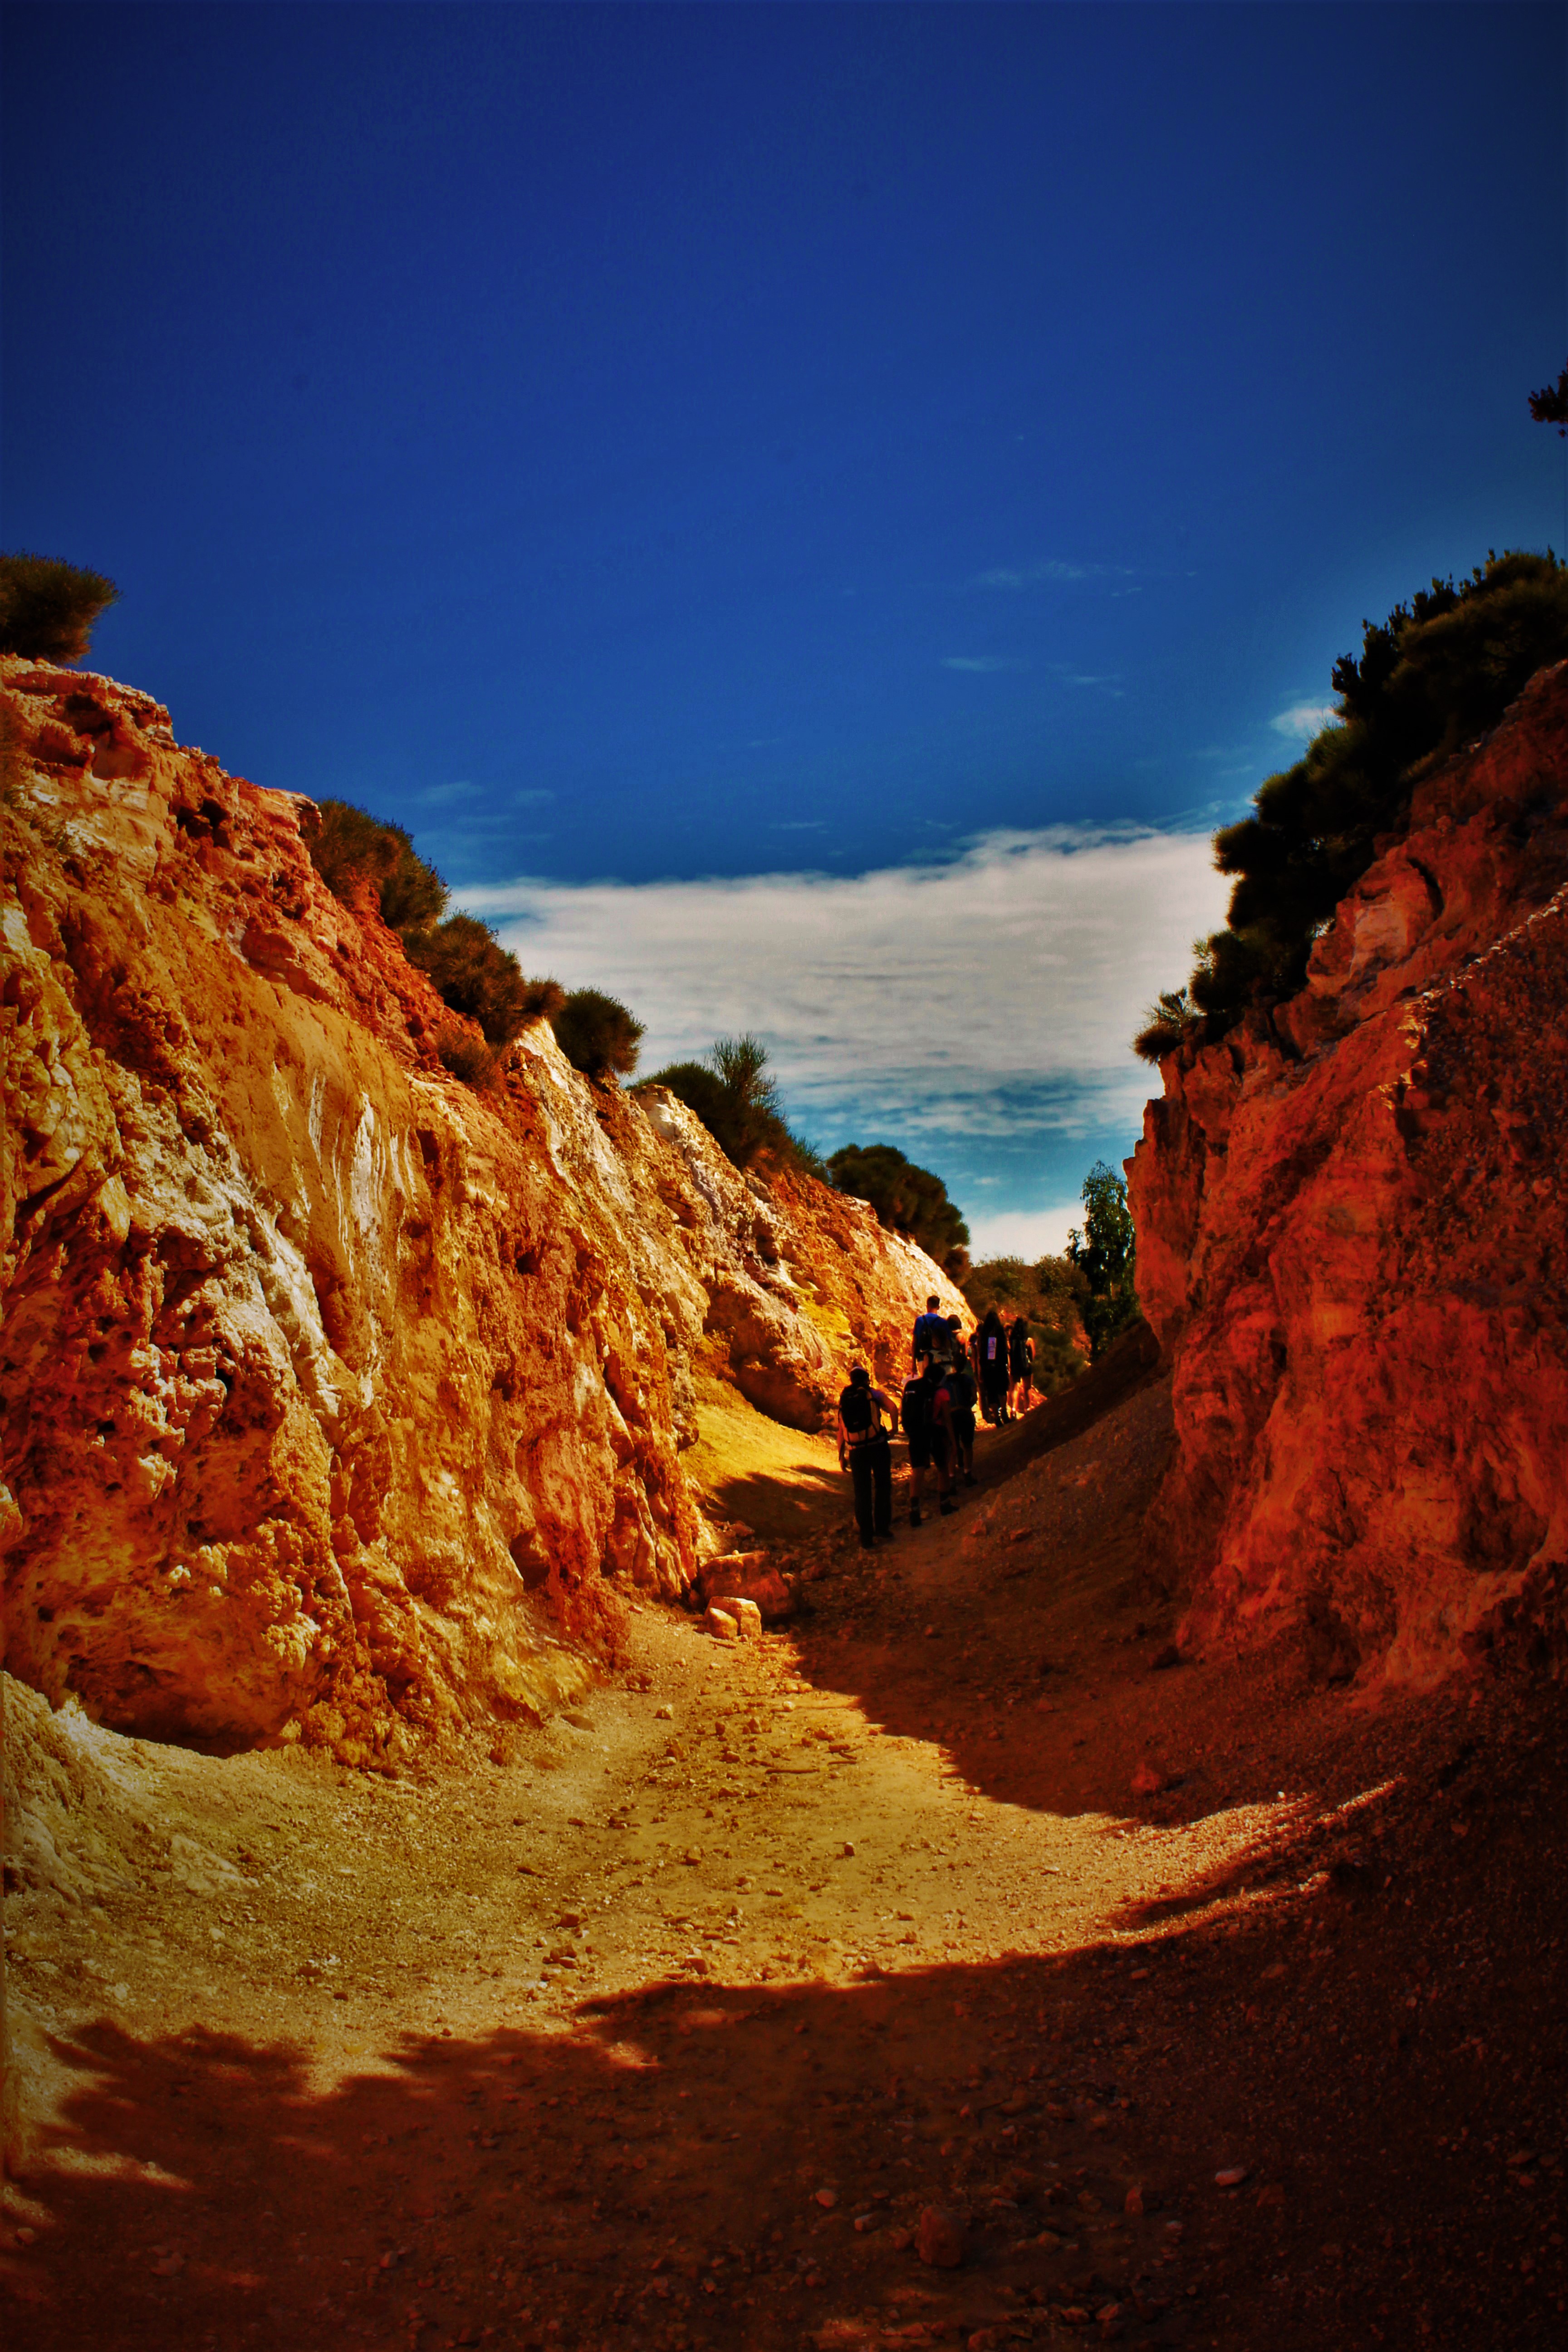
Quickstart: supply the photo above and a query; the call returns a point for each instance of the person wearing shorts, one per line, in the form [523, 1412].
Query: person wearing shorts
[915, 1411]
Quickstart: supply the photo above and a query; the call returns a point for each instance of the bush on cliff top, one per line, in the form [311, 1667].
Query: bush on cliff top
[471, 971]
[598, 1034]
[353, 842]
[736, 1097]
[48, 609]
[1439, 671]
[906, 1199]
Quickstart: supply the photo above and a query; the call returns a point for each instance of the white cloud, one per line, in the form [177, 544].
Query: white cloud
[1030, 575]
[993, 996]
[1305, 718]
[984, 662]
[1028, 1233]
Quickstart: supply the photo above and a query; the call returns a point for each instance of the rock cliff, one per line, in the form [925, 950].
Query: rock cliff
[340, 1400]
[1353, 1245]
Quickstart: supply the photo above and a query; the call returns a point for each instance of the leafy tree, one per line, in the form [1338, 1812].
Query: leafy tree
[906, 1199]
[1051, 1296]
[353, 842]
[1104, 1251]
[1436, 673]
[48, 609]
[598, 1034]
[1550, 406]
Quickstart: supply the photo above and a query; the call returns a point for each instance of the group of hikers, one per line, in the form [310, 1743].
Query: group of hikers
[949, 1377]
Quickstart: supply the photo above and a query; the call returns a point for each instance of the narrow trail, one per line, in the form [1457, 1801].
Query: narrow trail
[666, 2032]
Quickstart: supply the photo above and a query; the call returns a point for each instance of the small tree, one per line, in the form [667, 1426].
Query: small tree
[598, 1034]
[736, 1097]
[1105, 1252]
[48, 609]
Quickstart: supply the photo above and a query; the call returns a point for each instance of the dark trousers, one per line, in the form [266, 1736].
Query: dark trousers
[871, 1469]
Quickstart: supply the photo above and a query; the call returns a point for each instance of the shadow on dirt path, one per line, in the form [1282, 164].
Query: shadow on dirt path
[736, 2166]
[665, 2034]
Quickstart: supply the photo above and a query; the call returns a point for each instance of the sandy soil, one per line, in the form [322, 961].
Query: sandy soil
[666, 2031]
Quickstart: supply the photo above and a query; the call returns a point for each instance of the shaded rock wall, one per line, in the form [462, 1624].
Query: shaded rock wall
[1353, 1245]
[338, 1399]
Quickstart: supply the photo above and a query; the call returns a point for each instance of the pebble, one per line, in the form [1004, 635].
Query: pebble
[664, 1713]
[827, 2199]
[1134, 2202]
[722, 1626]
[940, 2237]
[1231, 2178]
[1147, 1781]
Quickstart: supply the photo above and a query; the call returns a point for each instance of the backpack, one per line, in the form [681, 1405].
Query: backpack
[917, 1408]
[992, 1344]
[961, 1389]
[858, 1412]
[1018, 1346]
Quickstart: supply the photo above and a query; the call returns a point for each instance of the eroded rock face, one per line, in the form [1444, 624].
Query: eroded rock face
[1353, 1242]
[339, 1399]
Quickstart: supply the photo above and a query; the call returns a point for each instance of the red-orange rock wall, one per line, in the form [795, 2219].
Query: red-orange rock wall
[1353, 1244]
[336, 1398]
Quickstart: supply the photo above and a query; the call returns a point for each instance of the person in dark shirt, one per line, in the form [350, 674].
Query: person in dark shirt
[929, 1333]
[962, 1392]
[1020, 1365]
[991, 1363]
[863, 1452]
[943, 1437]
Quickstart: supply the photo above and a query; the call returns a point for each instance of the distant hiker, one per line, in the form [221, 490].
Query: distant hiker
[943, 1436]
[962, 1393]
[916, 1410]
[931, 1330]
[1020, 1364]
[863, 1452]
[990, 1363]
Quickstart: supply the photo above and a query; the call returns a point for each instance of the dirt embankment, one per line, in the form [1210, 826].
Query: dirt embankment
[340, 1401]
[667, 2032]
[1353, 1242]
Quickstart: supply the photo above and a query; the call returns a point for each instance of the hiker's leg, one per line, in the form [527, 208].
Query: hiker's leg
[860, 1479]
[882, 1479]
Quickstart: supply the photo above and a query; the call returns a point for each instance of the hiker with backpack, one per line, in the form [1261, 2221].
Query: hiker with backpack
[917, 1408]
[990, 1363]
[863, 1452]
[929, 1332]
[1021, 1365]
[962, 1392]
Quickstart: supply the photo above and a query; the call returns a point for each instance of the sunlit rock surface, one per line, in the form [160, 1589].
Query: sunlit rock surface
[340, 1399]
[1352, 1243]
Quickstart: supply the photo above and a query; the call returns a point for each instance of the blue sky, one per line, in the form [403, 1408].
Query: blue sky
[637, 448]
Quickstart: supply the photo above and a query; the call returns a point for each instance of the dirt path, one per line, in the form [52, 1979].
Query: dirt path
[667, 2032]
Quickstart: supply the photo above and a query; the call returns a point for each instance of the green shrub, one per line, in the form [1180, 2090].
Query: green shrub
[598, 1034]
[475, 974]
[1105, 1252]
[353, 842]
[736, 1098]
[1439, 671]
[463, 1055]
[48, 609]
[906, 1199]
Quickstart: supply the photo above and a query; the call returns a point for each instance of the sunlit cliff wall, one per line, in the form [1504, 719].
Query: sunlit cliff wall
[1353, 1245]
[338, 1400]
